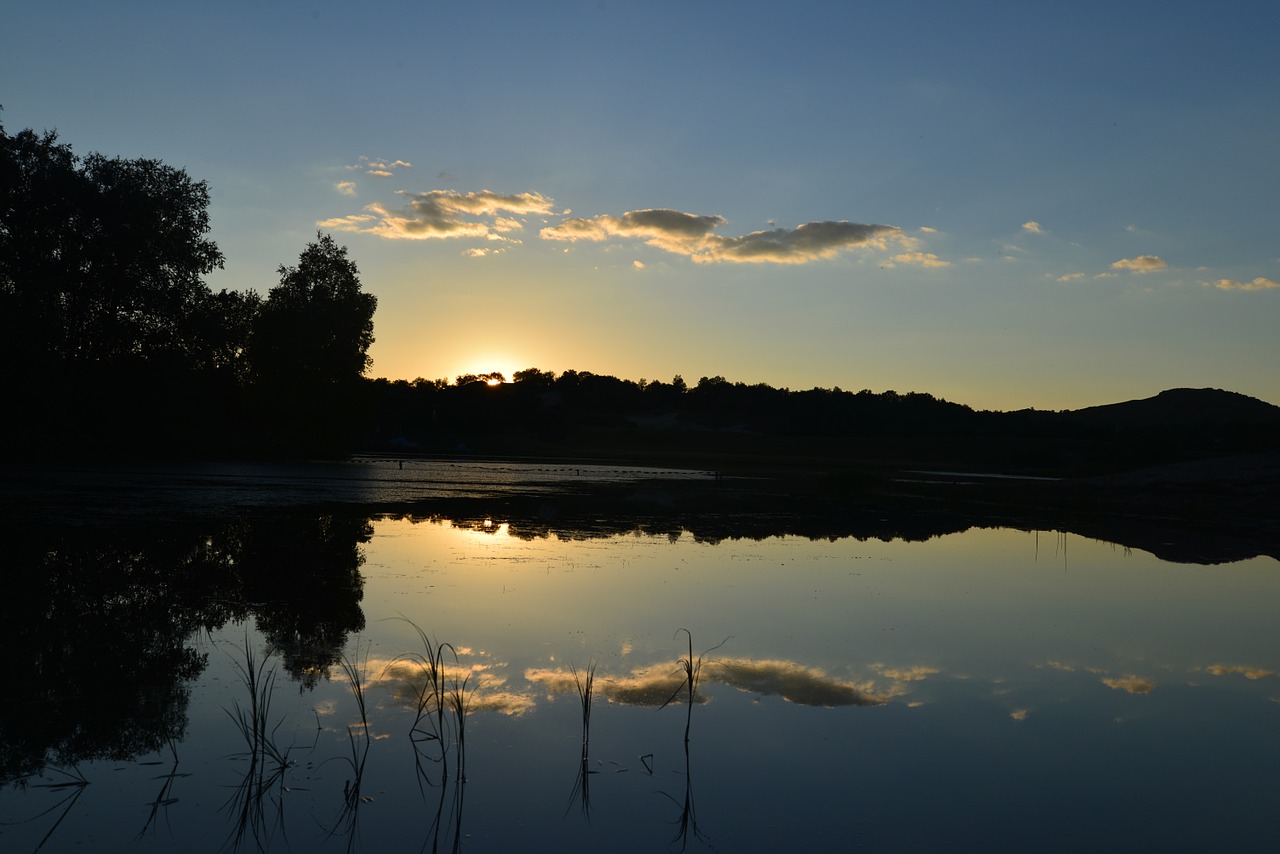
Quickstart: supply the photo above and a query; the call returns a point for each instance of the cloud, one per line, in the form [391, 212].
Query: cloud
[1141, 264]
[1033, 227]
[1070, 277]
[674, 231]
[377, 168]
[346, 188]
[639, 265]
[809, 242]
[927, 230]
[1258, 284]
[919, 259]
[443, 214]
[691, 235]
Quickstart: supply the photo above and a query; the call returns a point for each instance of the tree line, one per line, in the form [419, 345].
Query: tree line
[113, 341]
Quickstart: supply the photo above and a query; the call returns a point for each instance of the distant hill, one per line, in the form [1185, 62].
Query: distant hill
[1179, 407]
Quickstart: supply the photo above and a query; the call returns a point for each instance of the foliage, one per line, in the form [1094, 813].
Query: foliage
[114, 343]
[101, 259]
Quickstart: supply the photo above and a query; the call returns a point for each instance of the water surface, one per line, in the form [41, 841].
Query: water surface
[993, 687]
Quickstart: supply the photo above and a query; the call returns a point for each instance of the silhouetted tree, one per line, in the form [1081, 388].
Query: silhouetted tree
[101, 260]
[101, 292]
[310, 348]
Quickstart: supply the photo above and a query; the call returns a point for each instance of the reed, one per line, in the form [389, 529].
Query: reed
[358, 741]
[443, 701]
[430, 723]
[459, 700]
[585, 683]
[267, 760]
[692, 668]
[253, 721]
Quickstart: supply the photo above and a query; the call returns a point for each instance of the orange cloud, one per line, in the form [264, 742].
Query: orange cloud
[1141, 264]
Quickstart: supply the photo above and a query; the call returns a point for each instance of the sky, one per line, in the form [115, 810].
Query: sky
[1006, 205]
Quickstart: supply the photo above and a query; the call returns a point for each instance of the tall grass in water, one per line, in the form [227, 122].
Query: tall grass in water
[165, 798]
[586, 686]
[358, 739]
[76, 783]
[459, 699]
[692, 668]
[585, 683]
[443, 701]
[267, 760]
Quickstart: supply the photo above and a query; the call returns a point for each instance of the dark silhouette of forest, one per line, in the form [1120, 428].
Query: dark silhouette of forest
[116, 346]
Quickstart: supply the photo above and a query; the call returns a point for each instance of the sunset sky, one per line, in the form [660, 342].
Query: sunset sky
[1004, 204]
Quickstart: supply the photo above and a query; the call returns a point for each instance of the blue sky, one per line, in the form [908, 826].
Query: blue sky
[1003, 204]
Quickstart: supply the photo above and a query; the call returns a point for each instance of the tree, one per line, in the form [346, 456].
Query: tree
[101, 259]
[316, 326]
[309, 350]
[101, 296]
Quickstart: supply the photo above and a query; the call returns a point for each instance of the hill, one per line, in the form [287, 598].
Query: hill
[1179, 407]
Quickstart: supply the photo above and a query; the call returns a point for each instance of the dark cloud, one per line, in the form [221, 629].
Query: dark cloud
[691, 235]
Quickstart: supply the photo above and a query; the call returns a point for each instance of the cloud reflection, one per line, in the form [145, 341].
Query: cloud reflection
[806, 686]
[1241, 669]
[1129, 684]
[654, 685]
[486, 685]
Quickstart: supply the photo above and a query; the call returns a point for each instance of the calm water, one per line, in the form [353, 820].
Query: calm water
[992, 689]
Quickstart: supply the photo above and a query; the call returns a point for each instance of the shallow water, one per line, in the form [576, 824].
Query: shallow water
[994, 688]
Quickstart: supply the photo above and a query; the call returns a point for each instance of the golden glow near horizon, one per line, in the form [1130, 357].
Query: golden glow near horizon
[995, 238]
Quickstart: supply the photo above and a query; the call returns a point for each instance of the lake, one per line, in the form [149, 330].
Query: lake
[498, 676]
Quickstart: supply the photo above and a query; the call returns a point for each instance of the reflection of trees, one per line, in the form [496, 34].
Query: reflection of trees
[709, 518]
[100, 623]
[97, 629]
[305, 573]
[712, 514]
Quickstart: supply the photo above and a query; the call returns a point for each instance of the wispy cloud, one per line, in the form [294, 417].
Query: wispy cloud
[1141, 264]
[691, 235]
[444, 214]
[1032, 227]
[1258, 284]
[377, 168]
[346, 188]
[917, 259]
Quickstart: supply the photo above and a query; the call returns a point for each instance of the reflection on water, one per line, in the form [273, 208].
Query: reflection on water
[491, 681]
